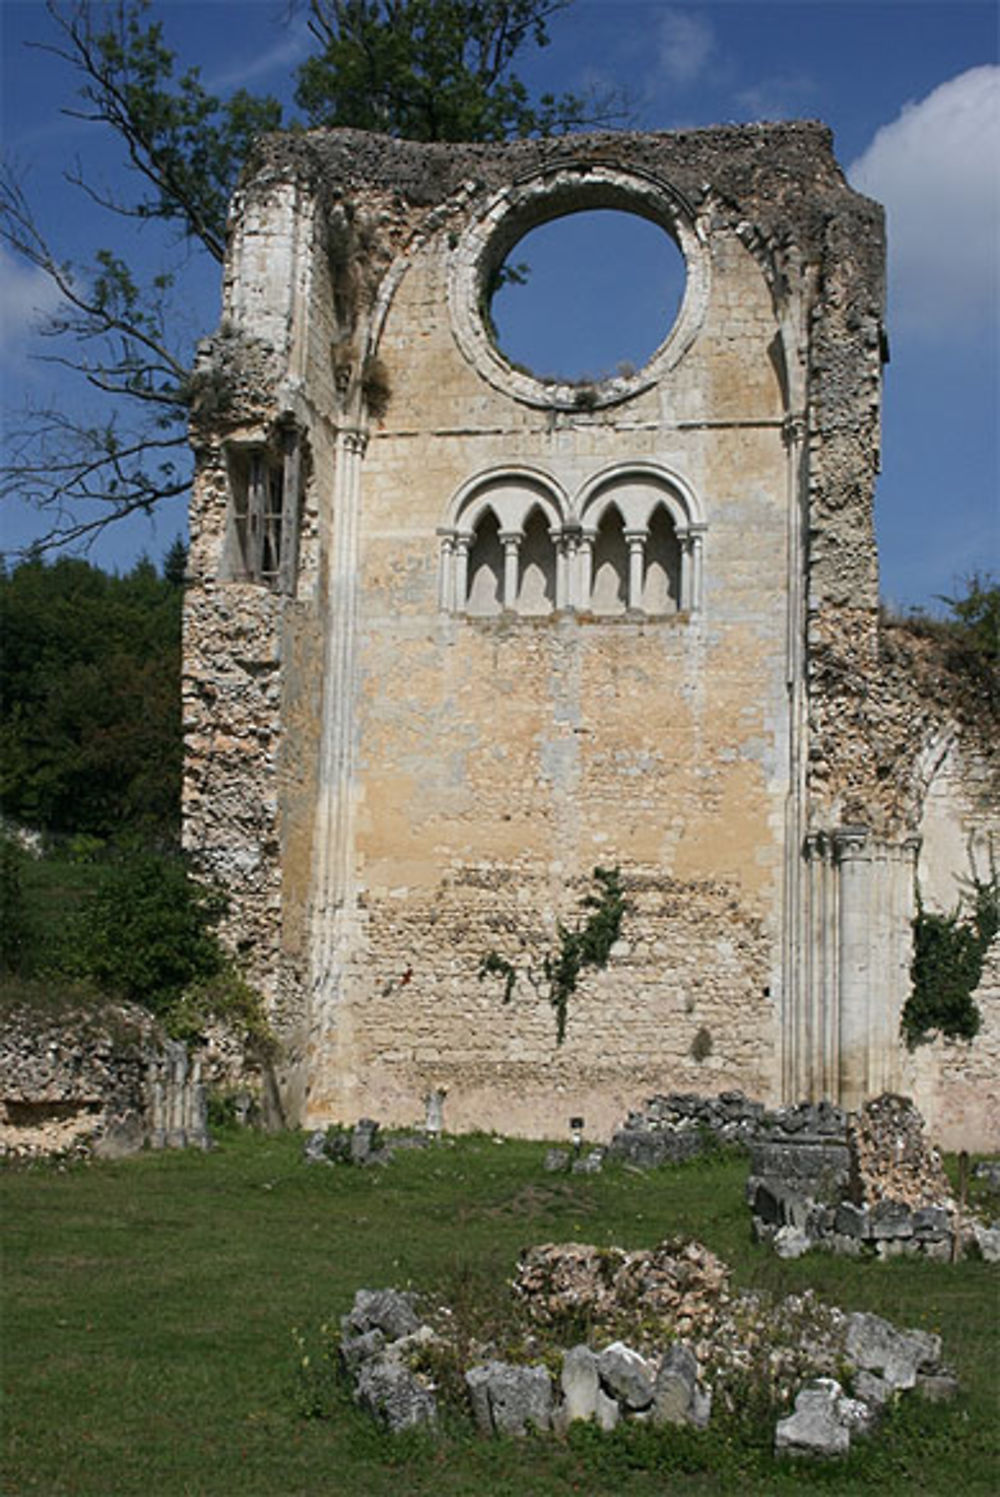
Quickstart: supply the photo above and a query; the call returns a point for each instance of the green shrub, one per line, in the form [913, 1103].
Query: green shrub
[15, 927]
[586, 945]
[148, 933]
[947, 965]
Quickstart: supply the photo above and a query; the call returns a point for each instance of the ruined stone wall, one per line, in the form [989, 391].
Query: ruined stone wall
[391, 785]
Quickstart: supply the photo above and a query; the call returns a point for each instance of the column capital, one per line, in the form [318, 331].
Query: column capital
[794, 428]
[850, 842]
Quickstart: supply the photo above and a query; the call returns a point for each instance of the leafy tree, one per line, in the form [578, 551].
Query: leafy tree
[431, 69]
[90, 722]
[148, 932]
[15, 932]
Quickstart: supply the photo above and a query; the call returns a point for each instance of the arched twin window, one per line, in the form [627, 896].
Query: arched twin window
[631, 545]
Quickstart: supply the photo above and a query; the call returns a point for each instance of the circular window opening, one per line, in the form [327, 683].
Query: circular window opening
[587, 296]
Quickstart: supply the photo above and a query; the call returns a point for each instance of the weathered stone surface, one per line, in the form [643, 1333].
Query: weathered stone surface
[892, 1165]
[390, 1311]
[102, 1081]
[932, 1223]
[875, 1345]
[314, 1149]
[816, 1427]
[987, 1240]
[852, 1221]
[626, 1376]
[607, 1411]
[394, 1395]
[579, 1383]
[355, 1349]
[508, 1400]
[590, 1163]
[874, 1390]
[890, 1219]
[677, 1396]
[779, 1205]
[792, 1242]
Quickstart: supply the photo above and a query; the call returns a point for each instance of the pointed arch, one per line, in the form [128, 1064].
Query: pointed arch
[663, 524]
[536, 584]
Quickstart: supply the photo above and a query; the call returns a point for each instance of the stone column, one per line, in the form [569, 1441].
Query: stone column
[460, 578]
[565, 547]
[446, 592]
[511, 542]
[696, 541]
[585, 569]
[636, 540]
[851, 849]
[291, 482]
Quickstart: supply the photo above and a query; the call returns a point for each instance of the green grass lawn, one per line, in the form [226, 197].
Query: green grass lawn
[149, 1307]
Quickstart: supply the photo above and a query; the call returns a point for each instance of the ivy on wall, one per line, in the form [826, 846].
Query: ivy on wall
[947, 965]
[586, 944]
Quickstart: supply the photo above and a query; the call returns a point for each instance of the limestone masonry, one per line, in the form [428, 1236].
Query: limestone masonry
[457, 635]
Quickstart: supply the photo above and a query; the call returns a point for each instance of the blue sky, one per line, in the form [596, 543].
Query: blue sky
[911, 89]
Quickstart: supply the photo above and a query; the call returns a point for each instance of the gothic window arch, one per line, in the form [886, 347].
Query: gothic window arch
[641, 541]
[484, 595]
[503, 547]
[609, 587]
[630, 546]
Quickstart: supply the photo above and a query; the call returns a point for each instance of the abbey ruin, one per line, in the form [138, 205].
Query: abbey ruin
[457, 635]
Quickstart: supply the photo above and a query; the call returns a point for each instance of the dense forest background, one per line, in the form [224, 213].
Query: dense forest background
[98, 902]
[90, 714]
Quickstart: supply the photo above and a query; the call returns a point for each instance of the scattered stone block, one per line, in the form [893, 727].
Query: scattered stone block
[589, 1164]
[792, 1242]
[852, 1221]
[508, 1400]
[388, 1310]
[677, 1398]
[876, 1346]
[354, 1350]
[816, 1427]
[626, 1376]
[579, 1383]
[394, 1395]
[874, 1390]
[987, 1240]
[606, 1411]
[891, 1219]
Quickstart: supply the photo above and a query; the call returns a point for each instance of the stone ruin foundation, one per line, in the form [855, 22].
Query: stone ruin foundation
[105, 1084]
[669, 1342]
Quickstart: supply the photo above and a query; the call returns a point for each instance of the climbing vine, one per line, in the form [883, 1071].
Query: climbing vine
[586, 944]
[948, 953]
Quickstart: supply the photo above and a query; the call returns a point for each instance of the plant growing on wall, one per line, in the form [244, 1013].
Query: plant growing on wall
[948, 953]
[586, 944]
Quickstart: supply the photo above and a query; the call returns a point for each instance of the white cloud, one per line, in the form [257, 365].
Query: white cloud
[285, 54]
[686, 42]
[935, 168]
[779, 98]
[27, 295]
